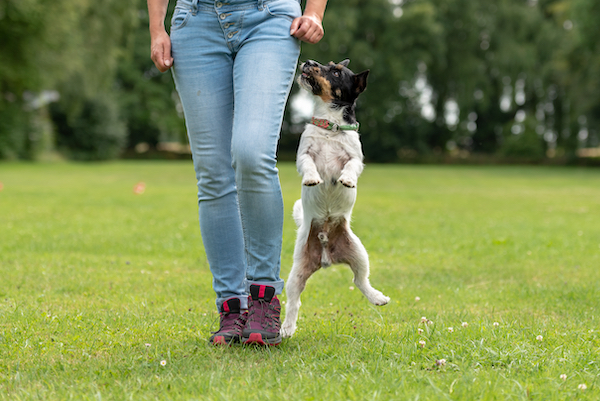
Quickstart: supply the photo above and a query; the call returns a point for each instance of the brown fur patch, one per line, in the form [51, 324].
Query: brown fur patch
[339, 245]
[325, 85]
[313, 249]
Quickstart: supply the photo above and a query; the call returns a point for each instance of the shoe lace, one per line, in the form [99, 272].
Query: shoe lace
[265, 314]
[229, 321]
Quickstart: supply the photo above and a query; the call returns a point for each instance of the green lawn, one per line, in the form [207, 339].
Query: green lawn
[106, 294]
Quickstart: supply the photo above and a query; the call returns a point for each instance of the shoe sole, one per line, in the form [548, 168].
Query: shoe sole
[257, 339]
[220, 340]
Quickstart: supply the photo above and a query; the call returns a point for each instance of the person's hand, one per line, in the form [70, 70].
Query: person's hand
[307, 28]
[160, 51]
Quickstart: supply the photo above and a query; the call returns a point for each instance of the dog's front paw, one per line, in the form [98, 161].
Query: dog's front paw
[347, 181]
[310, 180]
[377, 298]
[287, 330]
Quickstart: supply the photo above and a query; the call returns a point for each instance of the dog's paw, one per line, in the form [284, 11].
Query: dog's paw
[311, 180]
[347, 181]
[287, 330]
[377, 298]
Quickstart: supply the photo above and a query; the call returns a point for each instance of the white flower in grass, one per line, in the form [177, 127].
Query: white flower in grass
[419, 331]
[351, 288]
[423, 319]
[496, 324]
[464, 324]
[540, 338]
[148, 345]
[422, 343]
[563, 377]
[582, 387]
[450, 329]
[417, 299]
[429, 322]
[440, 362]
[163, 363]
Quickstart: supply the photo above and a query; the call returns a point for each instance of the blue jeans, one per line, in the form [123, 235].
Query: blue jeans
[234, 64]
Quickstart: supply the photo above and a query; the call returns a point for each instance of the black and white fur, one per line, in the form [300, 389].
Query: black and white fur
[330, 163]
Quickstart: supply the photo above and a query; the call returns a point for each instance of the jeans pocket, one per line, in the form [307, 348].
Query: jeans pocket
[180, 18]
[289, 9]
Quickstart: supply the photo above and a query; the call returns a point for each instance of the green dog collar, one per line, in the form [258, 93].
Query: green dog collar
[326, 124]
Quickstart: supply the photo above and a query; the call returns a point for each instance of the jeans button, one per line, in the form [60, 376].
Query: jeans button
[230, 35]
[222, 16]
[219, 4]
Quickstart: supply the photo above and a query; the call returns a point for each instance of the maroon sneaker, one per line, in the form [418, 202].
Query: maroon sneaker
[231, 324]
[263, 322]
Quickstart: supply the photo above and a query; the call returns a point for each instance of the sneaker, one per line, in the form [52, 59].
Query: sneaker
[263, 322]
[231, 324]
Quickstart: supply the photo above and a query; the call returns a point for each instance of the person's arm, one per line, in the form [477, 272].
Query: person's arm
[309, 27]
[160, 42]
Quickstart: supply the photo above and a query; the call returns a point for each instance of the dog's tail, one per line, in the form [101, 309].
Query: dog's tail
[298, 213]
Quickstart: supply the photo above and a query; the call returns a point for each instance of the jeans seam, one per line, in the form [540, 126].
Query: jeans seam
[234, 45]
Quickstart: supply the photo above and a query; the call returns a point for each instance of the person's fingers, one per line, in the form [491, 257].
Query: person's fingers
[167, 58]
[161, 53]
[295, 25]
[316, 36]
[307, 29]
[301, 34]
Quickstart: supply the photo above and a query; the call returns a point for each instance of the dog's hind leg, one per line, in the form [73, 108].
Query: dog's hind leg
[307, 257]
[358, 260]
[295, 285]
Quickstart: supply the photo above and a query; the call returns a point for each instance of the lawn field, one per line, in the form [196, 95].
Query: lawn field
[493, 271]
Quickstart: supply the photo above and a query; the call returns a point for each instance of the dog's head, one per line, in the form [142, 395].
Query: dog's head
[333, 83]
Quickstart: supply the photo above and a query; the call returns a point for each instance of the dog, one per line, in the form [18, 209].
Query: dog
[330, 160]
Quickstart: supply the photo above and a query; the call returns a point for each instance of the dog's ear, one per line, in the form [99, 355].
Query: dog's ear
[345, 63]
[360, 81]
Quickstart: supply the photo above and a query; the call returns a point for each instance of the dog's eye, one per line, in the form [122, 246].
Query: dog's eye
[336, 73]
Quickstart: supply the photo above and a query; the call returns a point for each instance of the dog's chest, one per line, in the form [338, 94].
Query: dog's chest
[330, 156]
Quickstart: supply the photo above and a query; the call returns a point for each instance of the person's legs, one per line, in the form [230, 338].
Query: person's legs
[263, 73]
[203, 68]
[234, 64]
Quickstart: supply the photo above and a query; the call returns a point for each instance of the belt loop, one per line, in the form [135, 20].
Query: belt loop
[194, 6]
[261, 4]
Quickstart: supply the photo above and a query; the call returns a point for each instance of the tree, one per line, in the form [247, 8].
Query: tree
[147, 97]
[28, 65]
[466, 74]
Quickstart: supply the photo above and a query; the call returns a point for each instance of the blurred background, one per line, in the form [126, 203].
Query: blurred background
[453, 81]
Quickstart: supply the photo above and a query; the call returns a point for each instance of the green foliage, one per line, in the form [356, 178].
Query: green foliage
[96, 55]
[490, 59]
[148, 100]
[520, 141]
[445, 74]
[14, 129]
[28, 30]
[95, 297]
[94, 131]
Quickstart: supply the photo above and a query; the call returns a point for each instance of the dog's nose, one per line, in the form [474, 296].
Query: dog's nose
[310, 63]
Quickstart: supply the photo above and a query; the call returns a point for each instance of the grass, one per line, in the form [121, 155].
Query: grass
[99, 285]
